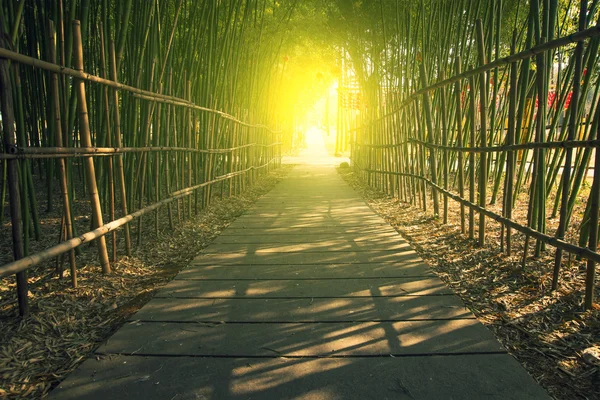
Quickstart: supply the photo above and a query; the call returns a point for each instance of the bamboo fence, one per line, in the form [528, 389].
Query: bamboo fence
[128, 148]
[483, 133]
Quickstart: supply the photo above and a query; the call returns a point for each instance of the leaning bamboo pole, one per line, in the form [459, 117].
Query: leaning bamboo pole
[61, 161]
[118, 144]
[86, 140]
[566, 174]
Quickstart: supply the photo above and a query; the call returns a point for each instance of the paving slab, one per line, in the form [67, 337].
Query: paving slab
[309, 230]
[282, 288]
[330, 217]
[309, 212]
[314, 238]
[486, 376]
[349, 309]
[306, 257]
[411, 268]
[306, 245]
[312, 246]
[317, 339]
[294, 224]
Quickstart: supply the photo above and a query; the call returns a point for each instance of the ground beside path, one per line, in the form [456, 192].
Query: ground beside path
[310, 295]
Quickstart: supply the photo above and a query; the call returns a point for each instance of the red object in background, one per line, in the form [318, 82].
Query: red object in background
[568, 101]
[552, 97]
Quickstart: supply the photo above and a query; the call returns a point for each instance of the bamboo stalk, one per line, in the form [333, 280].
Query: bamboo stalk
[118, 144]
[483, 165]
[64, 189]
[459, 140]
[594, 201]
[472, 158]
[510, 139]
[110, 172]
[572, 131]
[87, 141]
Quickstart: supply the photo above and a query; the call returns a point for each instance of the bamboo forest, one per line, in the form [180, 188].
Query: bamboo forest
[307, 199]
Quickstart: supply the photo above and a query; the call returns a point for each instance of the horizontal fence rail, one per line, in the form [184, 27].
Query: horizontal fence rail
[525, 54]
[139, 93]
[69, 152]
[35, 259]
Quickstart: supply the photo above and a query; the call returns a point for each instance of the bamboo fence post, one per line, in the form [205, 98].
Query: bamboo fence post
[86, 140]
[188, 133]
[64, 189]
[510, 139]
[459, 141]
[540, 190]
[109, 161]
[12, 168]
[590, 276]
[118, 144]
[444, 118]
[483, 130]
[472, 111]
[430, 138]
[143, 162]
[572, 133]
[156, 139]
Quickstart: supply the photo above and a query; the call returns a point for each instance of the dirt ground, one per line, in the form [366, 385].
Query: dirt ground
[548, 332]
[66, 324]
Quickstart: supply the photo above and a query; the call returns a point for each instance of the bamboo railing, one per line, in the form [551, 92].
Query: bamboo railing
[478, 138]
[169, 167]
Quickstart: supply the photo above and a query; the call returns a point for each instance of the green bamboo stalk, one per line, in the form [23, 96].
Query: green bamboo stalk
[61, 162]
[87, 142]
[472, 166]
[572, 131]
[459, 141]
[483, 131]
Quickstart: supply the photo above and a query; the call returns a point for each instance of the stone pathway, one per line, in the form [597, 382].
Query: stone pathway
[308, 295]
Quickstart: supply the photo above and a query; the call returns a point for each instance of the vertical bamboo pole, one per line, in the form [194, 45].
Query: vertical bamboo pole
[188, 133]
[590, 276]
[572, 133]
[510, 139]
[156, 140]
[86, 141]
[109, 161]
[483, 131]
[472, 111]
[459, 141]
[64, 189]
[540, 137]
[444, 118]
[12, 168]
[118, 144]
